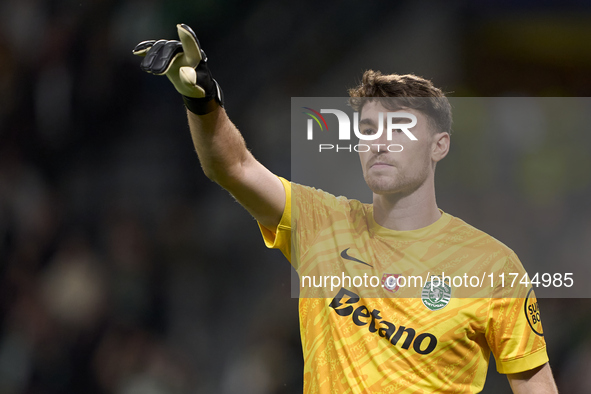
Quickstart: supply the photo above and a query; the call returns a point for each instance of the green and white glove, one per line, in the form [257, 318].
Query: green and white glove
[185, 65]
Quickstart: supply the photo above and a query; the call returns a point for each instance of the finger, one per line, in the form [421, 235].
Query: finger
[142, 48]
[169, 51]
[151, 56]
[168, 65]
[189, 78]
[190, 44]
[160, 56]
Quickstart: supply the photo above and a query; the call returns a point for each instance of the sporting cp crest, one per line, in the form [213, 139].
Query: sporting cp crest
[390, 284]
[436, 294]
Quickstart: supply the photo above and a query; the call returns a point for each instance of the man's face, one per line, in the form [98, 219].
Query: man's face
[395, 172]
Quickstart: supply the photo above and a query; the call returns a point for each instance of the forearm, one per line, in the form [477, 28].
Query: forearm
[538, 381]
[225, 160]
[221, 149]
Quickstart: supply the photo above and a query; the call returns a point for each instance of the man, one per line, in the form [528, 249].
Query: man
[358, 340]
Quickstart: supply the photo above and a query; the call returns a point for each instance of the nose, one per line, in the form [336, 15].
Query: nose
[379, 145]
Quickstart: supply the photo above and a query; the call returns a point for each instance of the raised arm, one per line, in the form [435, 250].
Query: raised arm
[220, 146]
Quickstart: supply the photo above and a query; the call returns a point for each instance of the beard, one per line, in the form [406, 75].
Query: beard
[395, 181]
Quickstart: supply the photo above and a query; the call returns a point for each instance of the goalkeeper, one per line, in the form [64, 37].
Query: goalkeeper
[360, 344]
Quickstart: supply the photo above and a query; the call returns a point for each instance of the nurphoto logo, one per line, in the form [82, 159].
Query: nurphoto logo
[393, 120]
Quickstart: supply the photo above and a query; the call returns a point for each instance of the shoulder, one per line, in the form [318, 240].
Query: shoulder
[472, 237]
[308, 194]
[316, 207]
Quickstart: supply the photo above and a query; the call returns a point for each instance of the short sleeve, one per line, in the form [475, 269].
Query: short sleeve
[281, 238]
[514, 329]
[306, 212]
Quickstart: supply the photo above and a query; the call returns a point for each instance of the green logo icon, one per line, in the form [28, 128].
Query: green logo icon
[436, 294]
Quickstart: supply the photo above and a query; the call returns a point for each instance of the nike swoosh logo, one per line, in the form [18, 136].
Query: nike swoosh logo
[347, 257]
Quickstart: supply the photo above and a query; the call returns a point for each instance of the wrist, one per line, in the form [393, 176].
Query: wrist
[201, 106]
[205, 105]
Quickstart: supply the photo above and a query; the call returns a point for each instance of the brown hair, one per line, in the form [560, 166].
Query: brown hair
[409, 90]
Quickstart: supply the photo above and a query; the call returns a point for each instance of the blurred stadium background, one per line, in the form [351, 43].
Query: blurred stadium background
[124, 270]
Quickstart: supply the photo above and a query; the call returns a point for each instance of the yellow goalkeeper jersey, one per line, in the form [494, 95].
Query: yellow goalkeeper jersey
[360, 336]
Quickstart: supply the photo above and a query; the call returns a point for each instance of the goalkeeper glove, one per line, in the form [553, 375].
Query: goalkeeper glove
[185, 65]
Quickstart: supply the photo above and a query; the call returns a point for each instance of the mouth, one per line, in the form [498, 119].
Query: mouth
[380, 164]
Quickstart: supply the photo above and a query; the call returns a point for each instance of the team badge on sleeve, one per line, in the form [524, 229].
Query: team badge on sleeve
[532, 312]
[436, 294]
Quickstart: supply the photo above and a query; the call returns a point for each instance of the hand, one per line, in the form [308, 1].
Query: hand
[185, 65]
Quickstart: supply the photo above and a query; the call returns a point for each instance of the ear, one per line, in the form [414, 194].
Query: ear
[440, 146]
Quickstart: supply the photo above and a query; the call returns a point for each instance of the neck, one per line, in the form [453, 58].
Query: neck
[404, 212]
